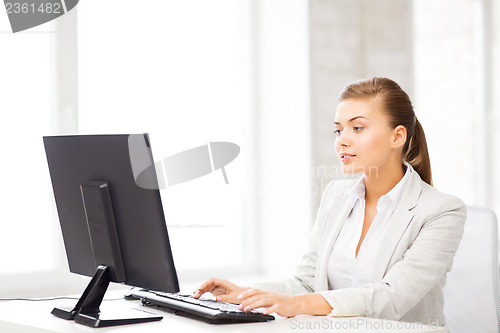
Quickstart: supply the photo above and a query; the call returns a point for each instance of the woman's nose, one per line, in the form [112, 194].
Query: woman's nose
[342, 140]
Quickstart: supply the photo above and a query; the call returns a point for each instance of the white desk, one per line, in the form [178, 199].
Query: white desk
[29, 316]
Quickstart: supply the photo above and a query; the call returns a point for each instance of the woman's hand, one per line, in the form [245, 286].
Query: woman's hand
[284, 305]
[223, 290]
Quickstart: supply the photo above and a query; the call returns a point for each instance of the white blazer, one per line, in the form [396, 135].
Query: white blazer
[415, 254]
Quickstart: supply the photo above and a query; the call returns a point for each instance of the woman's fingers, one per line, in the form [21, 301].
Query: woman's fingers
[225, 298]
[271, 309]
[258, 302]
[283, 305]
[258, 299]
[215, 285]
[224, 290]
[249, 293]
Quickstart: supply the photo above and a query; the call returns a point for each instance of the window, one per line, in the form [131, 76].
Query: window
[187, 72]
[180, 73]
[449, 65]
[27, 216]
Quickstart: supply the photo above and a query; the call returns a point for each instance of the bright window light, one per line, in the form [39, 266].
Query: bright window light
[445, 76]
[27, 219]
[176, 70]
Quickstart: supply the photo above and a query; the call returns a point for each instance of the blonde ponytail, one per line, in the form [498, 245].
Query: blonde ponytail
[418, 155]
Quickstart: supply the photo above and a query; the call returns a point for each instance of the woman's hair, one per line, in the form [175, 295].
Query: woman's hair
[397, 106]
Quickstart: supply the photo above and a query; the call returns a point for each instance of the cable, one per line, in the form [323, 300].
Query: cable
[55, 298]
[51, 299]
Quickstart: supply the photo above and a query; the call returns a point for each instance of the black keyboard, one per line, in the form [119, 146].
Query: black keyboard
[206, 310]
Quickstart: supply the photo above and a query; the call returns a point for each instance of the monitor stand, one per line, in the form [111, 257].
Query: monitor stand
[87, 312]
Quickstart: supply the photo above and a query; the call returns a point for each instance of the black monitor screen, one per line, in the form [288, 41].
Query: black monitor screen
[141, 230]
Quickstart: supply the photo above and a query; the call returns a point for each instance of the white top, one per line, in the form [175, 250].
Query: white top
[345, 270]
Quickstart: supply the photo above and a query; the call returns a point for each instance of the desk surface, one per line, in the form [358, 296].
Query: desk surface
[29, 316]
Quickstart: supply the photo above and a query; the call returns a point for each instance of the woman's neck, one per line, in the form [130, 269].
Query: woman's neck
[382, 181]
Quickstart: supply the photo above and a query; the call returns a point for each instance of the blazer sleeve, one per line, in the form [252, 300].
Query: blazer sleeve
[421, 268]
[303, 279]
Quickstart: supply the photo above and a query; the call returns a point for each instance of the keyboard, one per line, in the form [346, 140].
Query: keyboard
[207, 310]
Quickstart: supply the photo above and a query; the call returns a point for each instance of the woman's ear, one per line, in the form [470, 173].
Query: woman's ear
[399, 136]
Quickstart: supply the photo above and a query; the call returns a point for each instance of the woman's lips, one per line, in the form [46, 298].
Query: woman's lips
[346, 157]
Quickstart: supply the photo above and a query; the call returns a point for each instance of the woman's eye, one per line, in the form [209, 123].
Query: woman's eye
[357, 128]
[337, 132]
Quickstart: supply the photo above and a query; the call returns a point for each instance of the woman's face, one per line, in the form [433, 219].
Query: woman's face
[364, 138]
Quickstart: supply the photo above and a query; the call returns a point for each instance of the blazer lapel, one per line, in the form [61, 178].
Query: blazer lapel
[398, 223]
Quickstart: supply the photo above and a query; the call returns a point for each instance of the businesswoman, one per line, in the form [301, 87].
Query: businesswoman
[382, 244]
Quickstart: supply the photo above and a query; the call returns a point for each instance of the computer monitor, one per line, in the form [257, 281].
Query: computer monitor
[113, 229]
